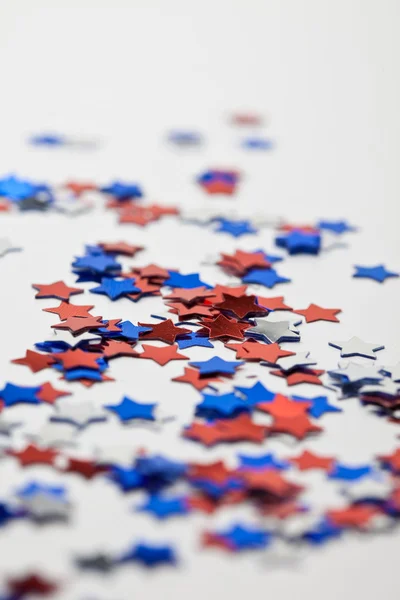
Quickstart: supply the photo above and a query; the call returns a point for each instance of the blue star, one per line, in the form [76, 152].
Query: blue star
[82, 373]
[131, 331]
[256, 394]
[378, 273]
[322, 532]
[217, 490]
[245, 538]
[185, 138]
[100, 263]
[216, 365]
[271, 258]
[127, 478]
[221, 405]
[33, 489]
[320, 406]
[17, 189]
[123, 191]
[128, 409]
[150, 556]
[193, 339]
[267, 277]
[337, 227]
[162, 507]
[189, 281]
[298, 242]
[114, 288]
[262, 462]
[13, 394]
[258, 144]
[158, 470]
[235, 228]
[48, 140]
[344, 472]
[6, 514]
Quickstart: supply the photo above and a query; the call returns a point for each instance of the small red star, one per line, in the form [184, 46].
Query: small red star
[275, 303]
[303, 228]
[238, 429]
[202, 503]
[161, 211]
[241, 307]
[163, 355]
[112, 326]
[254, 350]
[271, 481]
[78, 188]
[120, 248]
[298, 426]
[35, 361]
[72, 359]
[90, 382]
[55, 290]
[308, 460]
[221, 327]
[65, 310]
[282, 406]
[357, 515]
[86, 468]
[210, 539]
[189, 295]
[301, 376]
[220, 290]
[31, 584]
[317, 313]
[192, 376]
[202, 432]
[151, 271]
[219, 187]
[248, 119]
[32, 455]
[113, 349]
[188, 312]
[77, 325]
[216, 472]
[282, 510]
[165, 331]
[49, 394]
[240, 262]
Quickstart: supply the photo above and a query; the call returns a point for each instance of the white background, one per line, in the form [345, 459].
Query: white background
[326, 73]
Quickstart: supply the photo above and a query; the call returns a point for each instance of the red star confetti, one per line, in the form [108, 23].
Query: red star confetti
[317, 313]
[297, 376]
[35, 361]
[308, 460]
[163, 355]
[55, 290]
[65, 310]
[193, 377]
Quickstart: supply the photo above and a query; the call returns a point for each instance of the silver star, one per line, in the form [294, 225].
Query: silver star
[394, 371]
[63, 335]
[386, 388]
[43, 507]
[6, 246]
[116, 454]
[368, 489]
[276, 316]
[298, 360]
[55, 434]
[356, 347]
[5, 426]
[78, 413]
[354, 372]
[273, 332]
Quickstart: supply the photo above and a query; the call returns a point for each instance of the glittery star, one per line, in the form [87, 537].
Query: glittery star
[35, 361]
[269, 480]
[222, 327]
[193, 377]
[308, 460]
[72, 359]
[263, 462]
[128, 409]
[316, 313]
[273, 331]
[240, 537]
[267, 277]
[86, 468]
[320, 406]
[240, 428]
[217, 472]
[189, 295]
[240, 307]
[300, 242]
[65, 310]
[123, 191]
[378, 273]
[98, 263]
[220, 290]
[356, 347]
[163, 355]
[392, 461]
[165, 331]
[216, 365]
[113, 349]
[55, 290]
[31, 584]
[190, 312]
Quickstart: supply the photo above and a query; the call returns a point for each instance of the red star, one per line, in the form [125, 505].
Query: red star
[240, 262]
[248, 119]
[219, 187]
[161, 211]
[139, 215]
[238, 429]
[298, 426]
[215, 541]
[120, 248]
[282, 510]
[35, 361]
[282, 406]
[49, 394]
[392, 460]
[163, 355]
[275, 303]
[86, 468]
[220, 290]
[205, 433]
[55, 290]
[32, 455]
[151, 271]
[65, 310]
[72, 359]
[317, 313]
[216, 472]
[90, 382]
[221, 327]
[78, 188]
[202, 503]
[357, 515]
[31, 584]
[308, 460]
[192, 376]
[303, 228]
[77, 325]
[189, 295]
[301, 376]
[184, 311]
[241, 307]
[271, 481]
[5, 205]
[165, 331]
[253, 350]
[113, 349]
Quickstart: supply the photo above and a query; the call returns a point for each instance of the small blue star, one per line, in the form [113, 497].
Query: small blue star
[160, 470]
[185, 138]
[320, 406]
[14, 394]
[267, 277]
[378, 273]
[150, 556]
[262, 462]
[16, 189]
[235, 228]
[256, 394]
[162, 507]
[216, 365]
[6, 514]
[100, 263]
[217, 490]
[82, 373]
[48, 140]
[245, 538]
[344, 472]
[193, 339]
[322, 532]
[114, 288]
[33, 488]
[189, 281]
[298, 242]
[258, 144]
[128, 409]
[221, 405]
[127, 478]
[337, 227]
[123, 191]
[131, 331]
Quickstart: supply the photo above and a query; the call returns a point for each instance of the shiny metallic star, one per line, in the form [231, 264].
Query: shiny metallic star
[54, 434]
[44, 507]
[356, 347]
[78, 413]
[301, 359]
[6, 246]
[394, 371]
[273, 332]
[386, 388]
[354, 372]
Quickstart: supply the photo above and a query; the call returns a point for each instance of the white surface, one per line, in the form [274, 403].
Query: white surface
[327, 73]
